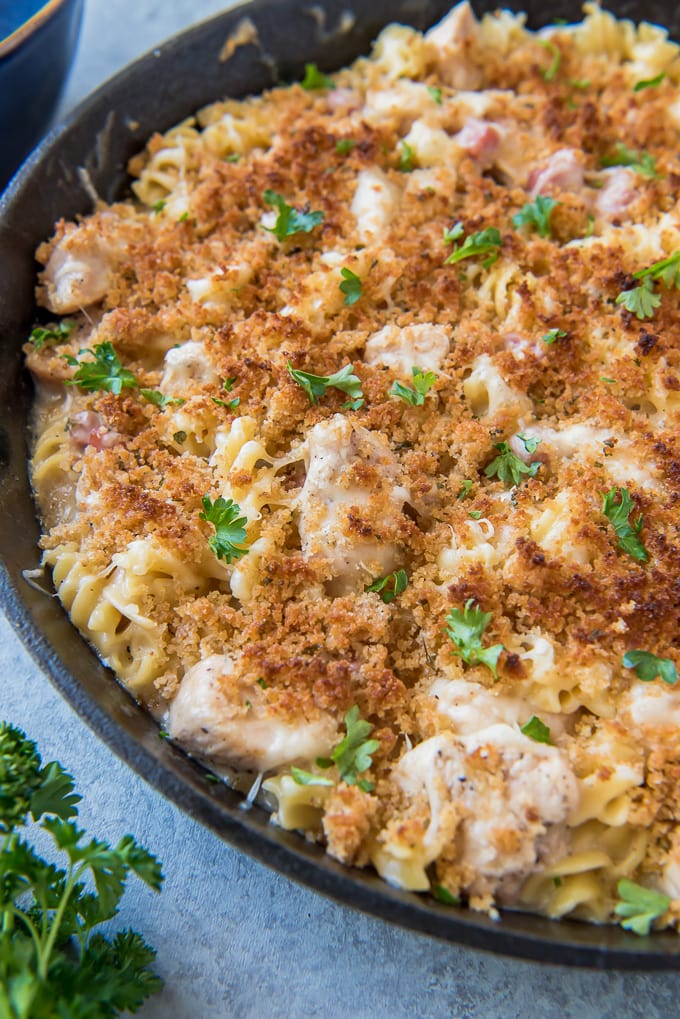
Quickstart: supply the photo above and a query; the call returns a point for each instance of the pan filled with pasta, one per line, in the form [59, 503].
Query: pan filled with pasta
[352, 378]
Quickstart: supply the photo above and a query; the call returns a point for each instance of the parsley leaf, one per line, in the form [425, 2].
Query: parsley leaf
[554, 52]
[485, 242]
[40, 336]
[390, 586]
[641, 300]
[230, 533]
[315, 386]
[617, 512]
[465, 487]
[508, 467]
[308, 778]
[344, 145]
[350, 286]
[553, 335]
[315, 79]
[160, 400]
[649, 82]
[354, 753]
[159, 205]
[445, 896]
[406, 155]
[536, 730]
[289, 220]
[648, 666]
[51, 962]
[639, 906]
[105, 372]
[536, 214]
[465, 629]
[641, 162]
[436, 93]
[667, 270]
[415, 395]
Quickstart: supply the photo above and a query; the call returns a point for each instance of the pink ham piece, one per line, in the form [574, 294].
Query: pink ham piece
[617, 193]
[561, 172]
[88, 429]
[481, 139]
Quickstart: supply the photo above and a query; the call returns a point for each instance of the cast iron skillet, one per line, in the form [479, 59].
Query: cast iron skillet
[153, 94]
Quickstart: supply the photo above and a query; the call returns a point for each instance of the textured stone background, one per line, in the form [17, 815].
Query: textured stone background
[234, 940]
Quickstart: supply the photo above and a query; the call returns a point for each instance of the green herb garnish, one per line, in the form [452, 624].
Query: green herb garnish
[554, 52]
[159, 205]
[445, 896]
[536, 214]
[159, 399]
[406, 155]
[289, 221]
[415, 395]
[649, 82]
[641, 162]
[52, 964]
[315, 79]
[354, 753]
[350, 286]
[40, 336]
[436, 93]
[344, 145]
[508, 467]
[465, 629]
[105, 372]
[648, 666]
[485, 242]
[465, 487]
[617, 512]
[230, 532]
[553, 335]
[390, 586]
[536, 729]
[315, 386]
[308, 777]
[639, 906]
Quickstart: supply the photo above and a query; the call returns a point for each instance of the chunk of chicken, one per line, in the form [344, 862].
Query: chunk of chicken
[185, 366]
[452, 40]
[351, 503]
[218, 716]
[79, 268]
[422, 346]
[375, 204]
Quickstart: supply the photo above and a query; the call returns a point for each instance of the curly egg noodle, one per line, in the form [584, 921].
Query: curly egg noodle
[358, 458]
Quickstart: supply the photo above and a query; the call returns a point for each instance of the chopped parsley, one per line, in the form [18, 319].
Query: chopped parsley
[639, 906]
[53, 961]
[350, 286]
[229, 404]
[40, 336]
[475, 514]
[354, 753]
[648, 666]
[649, 82]
[553, 335]
[230, 533]
[536, 214]
[159, 205]
[406, 155]
[105, 372]
[536, 730]
[486, 242]
[343, 146]
[159, 399]
[549, 73]
[415, 395]
[508, 467]
[643, 299]
[445, 896]
[641, 162]
[465, 630]
[315, 386]
[289, 220]
[315, 79]
[617, 507]
[436, 93]
[233, 157]
[308, 777]
[465, 487]
[390, 586]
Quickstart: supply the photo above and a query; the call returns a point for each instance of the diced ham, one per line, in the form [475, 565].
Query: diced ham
[88, 429]
[481, 139]
[561, 172]
[617, 194]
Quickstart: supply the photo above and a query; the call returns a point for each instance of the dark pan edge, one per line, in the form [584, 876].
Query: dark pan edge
[176, 776]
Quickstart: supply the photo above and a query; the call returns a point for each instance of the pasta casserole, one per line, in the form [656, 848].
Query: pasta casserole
[357, 455]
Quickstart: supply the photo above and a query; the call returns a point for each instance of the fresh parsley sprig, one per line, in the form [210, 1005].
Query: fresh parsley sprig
[40, 336]
[230, 529]
[350, 286]
[639, 906]
[51, 962]
[508, 467]
[406, 157]
[553, 335]
[649, 82]
[536, 215]
[485, 242]
[314, 79]
[390, 586]
[289, 220]
[302, 777]
[640, 162]
[105, 372]
[647, 666]
[465, 629]
[617, 506]
[537, 730]
[315, 386]
[354, 753]
[549, 73]
[643, 299]
[415, 395]
[160, 400]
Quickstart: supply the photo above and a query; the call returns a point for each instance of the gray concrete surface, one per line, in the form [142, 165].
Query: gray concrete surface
[234, 940]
